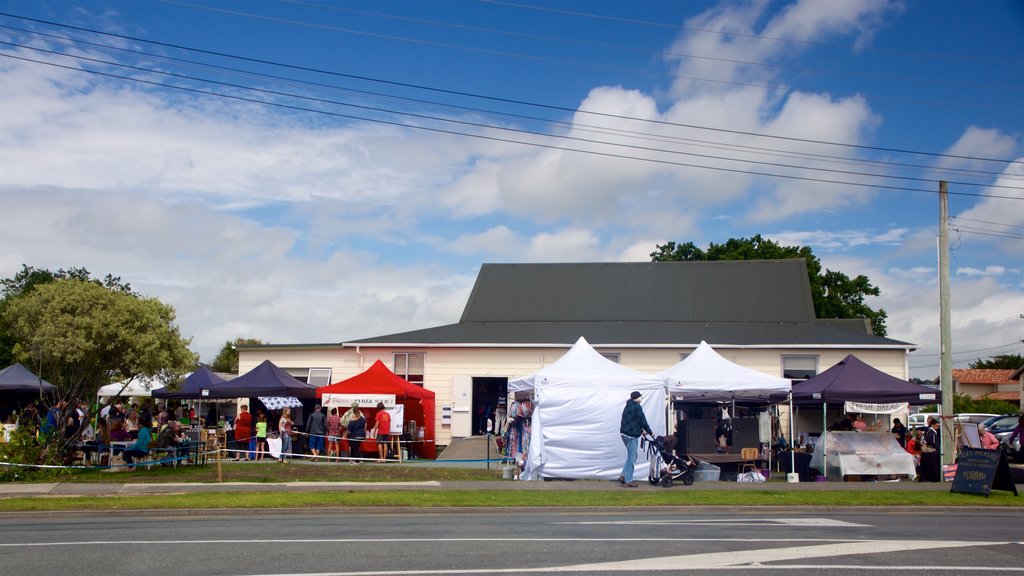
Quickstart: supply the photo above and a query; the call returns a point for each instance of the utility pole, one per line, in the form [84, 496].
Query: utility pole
[945, 338]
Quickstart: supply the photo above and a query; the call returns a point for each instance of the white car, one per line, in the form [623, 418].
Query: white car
[919, 420]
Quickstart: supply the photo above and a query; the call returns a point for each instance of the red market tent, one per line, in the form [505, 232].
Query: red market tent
[418, 401]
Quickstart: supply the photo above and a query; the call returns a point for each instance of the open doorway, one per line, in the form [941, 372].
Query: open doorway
[489, 398]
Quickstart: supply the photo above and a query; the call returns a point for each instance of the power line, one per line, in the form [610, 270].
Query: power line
[589, 43]
[988, 222]
[520, 102]
[573, 125]
[548, 59]
[507, 129]
[472, 135]
[983, 232]
[754, 36]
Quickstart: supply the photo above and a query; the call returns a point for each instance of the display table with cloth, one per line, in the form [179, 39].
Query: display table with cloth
[799, 463]
[861, 453]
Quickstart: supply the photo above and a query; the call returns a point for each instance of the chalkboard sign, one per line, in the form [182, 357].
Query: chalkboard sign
[978, 471]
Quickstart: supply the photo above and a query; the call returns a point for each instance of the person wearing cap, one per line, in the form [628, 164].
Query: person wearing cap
[316, 427]
[633, 425]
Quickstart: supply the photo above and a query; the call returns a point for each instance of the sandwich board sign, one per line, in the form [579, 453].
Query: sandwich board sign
[978, 471]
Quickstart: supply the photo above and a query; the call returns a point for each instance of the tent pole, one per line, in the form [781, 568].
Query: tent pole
[824, 435]
[792, 444]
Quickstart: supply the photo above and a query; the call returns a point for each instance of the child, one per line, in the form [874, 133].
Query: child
[261, 436]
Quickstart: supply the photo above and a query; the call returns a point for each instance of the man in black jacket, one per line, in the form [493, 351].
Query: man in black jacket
[633, 425]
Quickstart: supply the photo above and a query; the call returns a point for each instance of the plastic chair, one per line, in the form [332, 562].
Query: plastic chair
[749, 456]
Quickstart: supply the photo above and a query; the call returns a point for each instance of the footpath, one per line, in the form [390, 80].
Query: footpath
[17, 489]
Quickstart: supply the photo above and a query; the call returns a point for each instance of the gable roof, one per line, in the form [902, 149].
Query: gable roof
[983, 376]
[721, 291]
[731, 302]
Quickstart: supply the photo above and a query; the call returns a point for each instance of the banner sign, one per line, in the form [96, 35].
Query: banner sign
[364, 400]
[869, 408]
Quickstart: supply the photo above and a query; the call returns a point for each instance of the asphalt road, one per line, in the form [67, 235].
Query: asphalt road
[515, 542]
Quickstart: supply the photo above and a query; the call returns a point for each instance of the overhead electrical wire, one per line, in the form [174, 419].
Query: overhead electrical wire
[589, 43]
[527, 132]
[665, 138]
[525, 103]
[753, 36]
[478, 136]
[548, 59]
[503, 128]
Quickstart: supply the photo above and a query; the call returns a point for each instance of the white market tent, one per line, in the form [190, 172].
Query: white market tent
[138, 387]
[577, 408]
[706, 376]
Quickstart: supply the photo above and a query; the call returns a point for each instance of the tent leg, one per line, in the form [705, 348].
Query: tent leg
[792, 444]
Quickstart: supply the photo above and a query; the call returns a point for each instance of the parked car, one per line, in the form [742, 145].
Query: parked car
[919, 420]
[974, 418]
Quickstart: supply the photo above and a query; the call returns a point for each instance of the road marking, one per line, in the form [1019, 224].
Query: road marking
[392, 540]
[737, 560]
[799, 522]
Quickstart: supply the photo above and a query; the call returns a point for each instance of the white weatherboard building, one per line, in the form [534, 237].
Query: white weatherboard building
[646, 316]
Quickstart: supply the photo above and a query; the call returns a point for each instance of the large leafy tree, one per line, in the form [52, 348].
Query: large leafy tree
[28, 278]
[79, 334]
[227, 358]
[835, 294]
[1000, 362]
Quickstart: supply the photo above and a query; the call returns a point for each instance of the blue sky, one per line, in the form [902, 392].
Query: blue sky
[360, 160]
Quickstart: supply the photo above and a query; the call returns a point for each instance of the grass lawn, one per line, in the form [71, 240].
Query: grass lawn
[508, 495]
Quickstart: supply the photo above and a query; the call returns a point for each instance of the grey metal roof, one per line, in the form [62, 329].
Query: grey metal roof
[815, 333]
[738, 302]
[721, 291]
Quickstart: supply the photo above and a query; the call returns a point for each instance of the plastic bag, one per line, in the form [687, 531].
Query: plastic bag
[752, 476]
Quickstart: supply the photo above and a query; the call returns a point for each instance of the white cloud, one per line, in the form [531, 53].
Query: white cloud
[988, 271]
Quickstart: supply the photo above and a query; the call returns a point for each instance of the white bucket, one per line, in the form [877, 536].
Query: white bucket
[793, 477]
[506, 472]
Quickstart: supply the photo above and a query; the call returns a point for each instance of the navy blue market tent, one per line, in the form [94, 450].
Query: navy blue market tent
[263, 380]
[192, 387]
[18, 379]
[851, 380]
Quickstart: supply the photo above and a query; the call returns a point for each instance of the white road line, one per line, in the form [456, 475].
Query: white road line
[391, 540]
[740, 560]
[800, 522]
[760, 556]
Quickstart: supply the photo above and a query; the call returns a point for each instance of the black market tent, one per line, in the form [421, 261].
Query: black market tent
[193, 386]
[16, 379]
[263, 380]
[851, 380]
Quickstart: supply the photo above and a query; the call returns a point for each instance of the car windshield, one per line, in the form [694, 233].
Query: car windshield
[1004, 422]
[990, 421]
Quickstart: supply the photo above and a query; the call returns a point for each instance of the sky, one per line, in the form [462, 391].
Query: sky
[309, 171]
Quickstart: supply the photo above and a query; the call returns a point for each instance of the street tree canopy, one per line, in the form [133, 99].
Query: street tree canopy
[835, 294]
[79, 334]
[1000, 362]
[227, 358]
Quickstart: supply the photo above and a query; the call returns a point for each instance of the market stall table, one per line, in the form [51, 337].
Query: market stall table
[843, 454]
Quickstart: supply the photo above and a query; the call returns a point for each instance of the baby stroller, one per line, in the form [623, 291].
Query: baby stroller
[666, 467]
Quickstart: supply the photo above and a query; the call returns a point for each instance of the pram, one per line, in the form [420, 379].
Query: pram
[666, 467]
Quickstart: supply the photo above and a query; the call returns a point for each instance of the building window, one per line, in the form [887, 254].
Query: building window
[319, 376]
[613, 356]
[409, 365]
[799, 368]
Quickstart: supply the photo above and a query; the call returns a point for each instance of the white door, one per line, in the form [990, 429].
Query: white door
[462, 405]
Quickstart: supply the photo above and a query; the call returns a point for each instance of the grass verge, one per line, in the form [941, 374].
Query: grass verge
[502, 499]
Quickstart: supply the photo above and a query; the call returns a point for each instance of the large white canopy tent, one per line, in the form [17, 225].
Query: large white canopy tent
[706, 376]
[137, 387]
[577, 408]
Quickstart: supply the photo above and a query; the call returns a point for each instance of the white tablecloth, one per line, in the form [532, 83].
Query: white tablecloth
[862, 453]
[274, 446]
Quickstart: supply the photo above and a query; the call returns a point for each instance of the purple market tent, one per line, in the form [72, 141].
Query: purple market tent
[193, 386]
[851, 380]
[263, 380]
[16, 379]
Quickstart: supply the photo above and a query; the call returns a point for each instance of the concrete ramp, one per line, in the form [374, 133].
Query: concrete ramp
[474, 448]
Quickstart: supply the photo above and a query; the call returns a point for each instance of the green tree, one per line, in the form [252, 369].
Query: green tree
[28, 278]
[227, 358]
[1000, 362]
[79, 334]
[835, 294]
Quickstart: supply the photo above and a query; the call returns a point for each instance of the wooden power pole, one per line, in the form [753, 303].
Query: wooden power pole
[945, 338]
